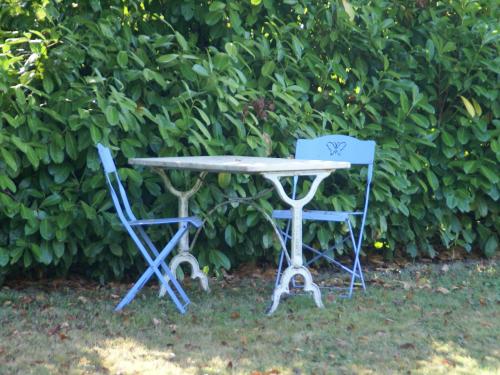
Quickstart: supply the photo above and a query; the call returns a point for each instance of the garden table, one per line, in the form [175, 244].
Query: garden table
[270, 168]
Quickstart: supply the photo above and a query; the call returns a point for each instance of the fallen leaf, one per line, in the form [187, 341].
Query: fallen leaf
[26, 300]
[341, 343]
[82, 299]
[409, 295]
[235, 315]
[448, 362]
[442, 290]
[482, 301]
[62, 336]
[407, 345]
[54, 330]
[398, 302]
[445, 268]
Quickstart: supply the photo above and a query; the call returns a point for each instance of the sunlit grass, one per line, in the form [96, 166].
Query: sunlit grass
[425, 319]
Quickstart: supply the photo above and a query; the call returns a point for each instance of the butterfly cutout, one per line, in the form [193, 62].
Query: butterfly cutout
[336, 148]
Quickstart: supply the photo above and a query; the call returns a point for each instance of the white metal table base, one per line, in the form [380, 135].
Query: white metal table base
[297, 267]
[183, 255]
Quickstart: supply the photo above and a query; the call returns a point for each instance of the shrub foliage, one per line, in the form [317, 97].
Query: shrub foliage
[249, 78]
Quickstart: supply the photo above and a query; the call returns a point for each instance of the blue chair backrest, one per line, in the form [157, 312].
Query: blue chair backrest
[120, 200]
[338, 148]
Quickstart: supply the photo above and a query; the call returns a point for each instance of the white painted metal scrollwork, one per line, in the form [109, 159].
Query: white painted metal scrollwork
[183, 255]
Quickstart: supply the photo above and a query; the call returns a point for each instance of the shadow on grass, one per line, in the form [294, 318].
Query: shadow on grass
[422, 320]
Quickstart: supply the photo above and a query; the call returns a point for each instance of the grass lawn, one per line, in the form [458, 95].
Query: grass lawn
[424, 319]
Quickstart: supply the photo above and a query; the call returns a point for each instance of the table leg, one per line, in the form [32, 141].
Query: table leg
[297, 267]
[183, 255]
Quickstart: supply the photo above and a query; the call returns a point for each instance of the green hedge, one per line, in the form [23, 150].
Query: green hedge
[248, 77]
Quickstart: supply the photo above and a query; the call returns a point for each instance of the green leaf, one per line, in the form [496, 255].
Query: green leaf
[490, 174]
[33, 157]
[116, 250]
[71, 147]
[165, 59]
[4, 257]
[51, 200]
[56, 149]
[231, 49]
[95, 133]
[112, 115]
[491, 246]
[45, 253]
[468, 106]
[7, 183]
[349, 9]
[46, 229]
[58, 248]
[268, 68]
[219, 259]
[429, 49]
[403, 100]
[463, 136]
[230, 235]
[27, 259]
[432, 178]
[224, 180]
[420, 120]
[297, 47]
[9, 158]
[90, 212]
[48, 84]
[216, 6]
[447, 139]
[182, 42]
[200, 70]
[470, 166]
[122, 59]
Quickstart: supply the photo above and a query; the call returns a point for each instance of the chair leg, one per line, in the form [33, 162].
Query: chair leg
[152, 247]
[167, 272]
[153, 269]
[357, 264]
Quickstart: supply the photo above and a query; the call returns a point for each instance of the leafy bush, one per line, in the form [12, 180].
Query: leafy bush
[248, 78]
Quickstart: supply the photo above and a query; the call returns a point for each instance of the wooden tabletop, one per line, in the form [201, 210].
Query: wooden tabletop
[242, 164]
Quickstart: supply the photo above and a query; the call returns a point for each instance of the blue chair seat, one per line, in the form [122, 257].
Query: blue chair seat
[336, 216]
[144, 222]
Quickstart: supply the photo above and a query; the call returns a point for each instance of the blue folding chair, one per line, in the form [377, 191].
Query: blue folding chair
[134, 227]
[336, 148]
